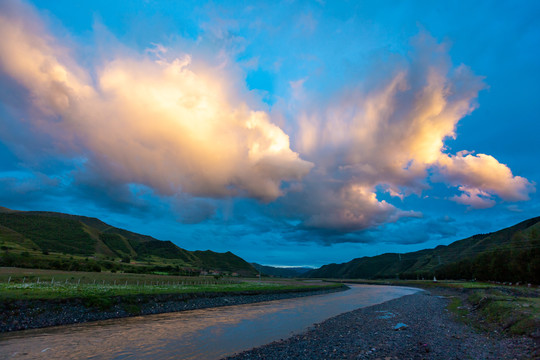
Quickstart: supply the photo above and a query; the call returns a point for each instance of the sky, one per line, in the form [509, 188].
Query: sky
[292, 133]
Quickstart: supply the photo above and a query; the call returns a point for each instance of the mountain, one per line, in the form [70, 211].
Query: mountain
[222, 261]
[64, 236]
[289, 272]
[510, 253]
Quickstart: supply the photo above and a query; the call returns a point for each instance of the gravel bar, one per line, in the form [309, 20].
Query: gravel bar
[415, 326]
[29, 314]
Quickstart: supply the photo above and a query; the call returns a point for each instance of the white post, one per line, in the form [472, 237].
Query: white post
[9, 280]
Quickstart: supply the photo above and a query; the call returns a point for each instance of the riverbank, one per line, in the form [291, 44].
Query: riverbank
[488, 306]
[417, 326]
[38, 313]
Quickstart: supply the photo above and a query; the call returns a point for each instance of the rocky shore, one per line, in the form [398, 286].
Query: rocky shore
[416, 326]
[29, 314]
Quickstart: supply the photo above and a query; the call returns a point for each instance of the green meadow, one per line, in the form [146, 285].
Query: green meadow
[20, 284]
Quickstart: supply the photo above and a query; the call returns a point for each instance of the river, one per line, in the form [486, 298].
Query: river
[197, 334]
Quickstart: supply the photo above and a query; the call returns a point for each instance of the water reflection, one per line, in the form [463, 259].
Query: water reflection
[197, 334]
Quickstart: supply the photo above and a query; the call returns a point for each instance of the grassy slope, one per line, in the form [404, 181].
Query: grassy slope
[226, 261]
[70, 236]
[52, 234]
[391, 264]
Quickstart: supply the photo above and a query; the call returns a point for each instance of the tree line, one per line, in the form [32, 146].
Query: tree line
[517, 262]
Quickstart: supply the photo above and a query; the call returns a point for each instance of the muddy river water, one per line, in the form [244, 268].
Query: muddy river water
[196, 334]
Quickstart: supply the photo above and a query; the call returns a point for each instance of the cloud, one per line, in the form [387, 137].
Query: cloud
[475, 198]
[480, 177]
[25, 184]
[169, 128]
[164, 122]
[391, 138]
[193, 210]
[340, 206]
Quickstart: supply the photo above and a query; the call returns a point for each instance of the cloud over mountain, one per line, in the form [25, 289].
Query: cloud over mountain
[335, 156]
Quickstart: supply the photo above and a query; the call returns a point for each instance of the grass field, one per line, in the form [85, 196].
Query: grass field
[16, 283]
[19, 275]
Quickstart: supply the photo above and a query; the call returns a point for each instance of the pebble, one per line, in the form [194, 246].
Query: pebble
[431, 333]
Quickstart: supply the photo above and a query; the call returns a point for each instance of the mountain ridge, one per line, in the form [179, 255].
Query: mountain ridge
[69, 236]
[469, 257]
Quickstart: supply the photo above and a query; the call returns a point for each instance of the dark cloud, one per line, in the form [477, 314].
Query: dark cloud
[193, 210]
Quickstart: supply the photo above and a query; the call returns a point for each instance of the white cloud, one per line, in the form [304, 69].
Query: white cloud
[474, 198]
[393, 138]
[180, 126]
[167, 123]
[482, 175]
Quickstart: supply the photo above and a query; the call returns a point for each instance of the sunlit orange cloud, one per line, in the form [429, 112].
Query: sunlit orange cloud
[482, 176]
[156, 122]
[180, 126]
[393, 137]
[474, 198]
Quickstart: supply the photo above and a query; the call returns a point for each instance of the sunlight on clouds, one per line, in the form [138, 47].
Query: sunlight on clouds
[351, 207]
[482, 175]
[33, 58]
[392, 137]
[190, 131]
[475, 198]
[153, 122]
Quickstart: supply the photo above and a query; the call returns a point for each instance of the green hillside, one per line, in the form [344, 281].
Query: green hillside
[224, 261]
[510, 254]
[71, 242]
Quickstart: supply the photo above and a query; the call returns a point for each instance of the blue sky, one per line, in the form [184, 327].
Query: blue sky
[290, 133]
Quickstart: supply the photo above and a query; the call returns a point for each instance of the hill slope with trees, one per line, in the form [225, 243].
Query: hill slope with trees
[510, 254]
[70, 242]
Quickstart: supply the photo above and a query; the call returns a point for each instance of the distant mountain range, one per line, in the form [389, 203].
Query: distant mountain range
[51, 240]
[288, 272]
[70, 242]
[510, 254]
